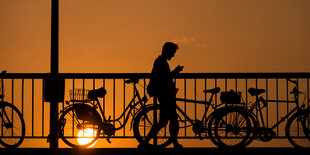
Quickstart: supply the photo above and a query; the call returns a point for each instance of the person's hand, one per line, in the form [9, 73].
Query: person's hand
[178, 69]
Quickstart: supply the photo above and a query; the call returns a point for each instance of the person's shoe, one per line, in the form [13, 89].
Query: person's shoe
[178, 146]
[144, 145]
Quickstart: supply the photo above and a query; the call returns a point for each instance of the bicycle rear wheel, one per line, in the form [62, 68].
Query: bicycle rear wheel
[77, 132]
[297, 129]
[143, 123]
[232, 128]
[12, 129]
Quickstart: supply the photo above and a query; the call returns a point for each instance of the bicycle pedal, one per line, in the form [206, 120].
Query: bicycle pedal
[108, 140]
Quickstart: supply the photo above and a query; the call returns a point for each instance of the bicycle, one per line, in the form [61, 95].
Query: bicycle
[299, 120]
[12, 130]
[82, 119]
[144, 121]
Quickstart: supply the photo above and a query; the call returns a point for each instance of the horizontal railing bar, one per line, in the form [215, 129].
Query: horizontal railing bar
[180, 137]
[147, 75]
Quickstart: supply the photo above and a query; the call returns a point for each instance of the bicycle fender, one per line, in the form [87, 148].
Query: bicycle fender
[138, 111]
[4, 104]
[223, 110]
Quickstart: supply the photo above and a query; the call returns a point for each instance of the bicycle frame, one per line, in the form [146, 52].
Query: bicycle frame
[261, 99]
[132, 105]
[207, 106]
[3, 114]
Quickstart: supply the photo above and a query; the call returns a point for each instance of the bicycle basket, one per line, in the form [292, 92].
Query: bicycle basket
[78, 94]
[231, 97]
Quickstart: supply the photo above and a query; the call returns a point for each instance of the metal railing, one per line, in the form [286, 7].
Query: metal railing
[25, 91]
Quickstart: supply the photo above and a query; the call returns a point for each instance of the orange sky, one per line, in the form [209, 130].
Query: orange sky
[126, 36]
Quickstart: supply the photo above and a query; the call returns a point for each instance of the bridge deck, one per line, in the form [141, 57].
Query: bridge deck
[134, 151]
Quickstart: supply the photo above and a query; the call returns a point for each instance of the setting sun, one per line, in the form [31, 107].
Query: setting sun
[85, 136]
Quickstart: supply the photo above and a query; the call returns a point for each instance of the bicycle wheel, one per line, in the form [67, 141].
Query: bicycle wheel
[297, 129]
[12, 128]
[77, 132]
[232, 128]
[143, 123]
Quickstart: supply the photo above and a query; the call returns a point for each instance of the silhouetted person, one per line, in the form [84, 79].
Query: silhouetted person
[163, 88]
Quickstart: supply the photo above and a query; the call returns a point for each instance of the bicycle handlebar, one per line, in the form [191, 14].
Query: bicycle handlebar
[3, 72]
[132, 80]
[293, 81]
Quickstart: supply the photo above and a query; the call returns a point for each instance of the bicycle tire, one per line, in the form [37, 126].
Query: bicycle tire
[233, 141]
[297, 129]
[68, 128]
[143, 124]
[16, 130]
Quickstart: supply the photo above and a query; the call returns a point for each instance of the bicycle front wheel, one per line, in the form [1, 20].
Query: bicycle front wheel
[12, 130]
[77, 132]
[297, 129]
[144, 122]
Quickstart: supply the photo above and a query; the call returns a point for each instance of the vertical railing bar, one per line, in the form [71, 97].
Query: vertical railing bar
[144, 105]
[124, 102]
[267, 109]
[205, 95]
[308, 92]
[308, 98]
[287, 105]
[114, 101]
[2, 89]
[12, 104]
[133, 94]
[2, 108]
[236, 84]
[94, 83]
[12, 92]
[215, 85]
[73, 97]
[144, 84]
[298, 130]
[103, 100]
[195, 93]
[246, 92]
[83, 92]
[22, 97]
[256, 85]
[42, 108]
[185, 105]
[32, 107]
[226, 84]
[277, 95]
[94, 87]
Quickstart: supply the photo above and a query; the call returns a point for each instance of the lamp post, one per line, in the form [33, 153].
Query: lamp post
[54, 71]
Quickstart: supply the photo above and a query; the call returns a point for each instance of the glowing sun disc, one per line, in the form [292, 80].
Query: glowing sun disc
[84, 136]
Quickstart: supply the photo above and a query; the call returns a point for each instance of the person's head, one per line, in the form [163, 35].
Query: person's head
[169, 50]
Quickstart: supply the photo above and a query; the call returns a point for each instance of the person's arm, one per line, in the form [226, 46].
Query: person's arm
[177, 70]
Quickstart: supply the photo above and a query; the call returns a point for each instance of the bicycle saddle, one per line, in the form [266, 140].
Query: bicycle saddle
[213, 91]
[255, 92]
[92, 94]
